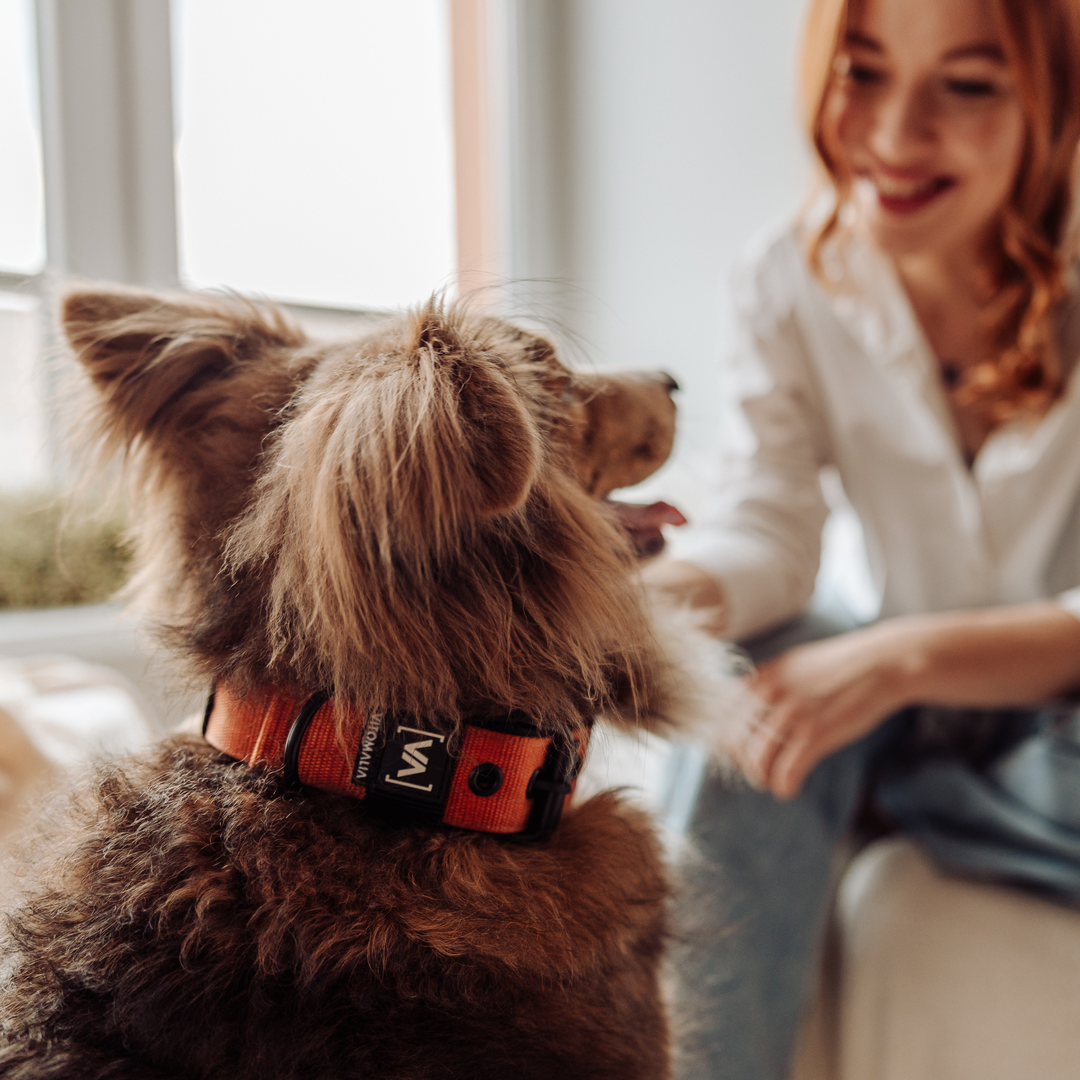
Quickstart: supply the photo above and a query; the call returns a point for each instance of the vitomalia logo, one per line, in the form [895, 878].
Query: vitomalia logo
[414, 760]
[366, 750]
[414, 764]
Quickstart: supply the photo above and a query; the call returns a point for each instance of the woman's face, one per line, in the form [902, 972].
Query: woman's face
[925, 117]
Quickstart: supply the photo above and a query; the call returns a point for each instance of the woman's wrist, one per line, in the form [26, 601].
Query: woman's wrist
[897, 657]
[917, 648]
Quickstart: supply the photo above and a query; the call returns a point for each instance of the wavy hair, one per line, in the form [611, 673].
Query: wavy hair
[1041, 39]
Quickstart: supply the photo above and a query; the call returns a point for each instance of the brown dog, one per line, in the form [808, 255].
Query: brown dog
[386, 550]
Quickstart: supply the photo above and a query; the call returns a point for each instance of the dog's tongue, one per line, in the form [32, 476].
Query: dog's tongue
[642, 523]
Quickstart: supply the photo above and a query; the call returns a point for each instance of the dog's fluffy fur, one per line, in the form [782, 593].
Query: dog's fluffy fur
[411, 519]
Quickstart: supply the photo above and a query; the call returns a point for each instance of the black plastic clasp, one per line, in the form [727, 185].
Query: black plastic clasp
[549, 787]
[209, 709]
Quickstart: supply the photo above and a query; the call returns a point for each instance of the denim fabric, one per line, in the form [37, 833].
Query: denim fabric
[752, 908]
[1016, 818]
[754, 898]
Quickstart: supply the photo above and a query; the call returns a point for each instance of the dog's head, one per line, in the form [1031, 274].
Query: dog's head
[411, 518]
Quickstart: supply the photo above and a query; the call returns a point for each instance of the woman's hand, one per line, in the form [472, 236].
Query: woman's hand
[822, 696]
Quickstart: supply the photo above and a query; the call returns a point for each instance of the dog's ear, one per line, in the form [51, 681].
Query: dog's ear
[395, 451]
[474, 432]
[192, 373]
[438, 429]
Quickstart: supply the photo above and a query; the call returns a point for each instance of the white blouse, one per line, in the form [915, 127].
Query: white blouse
[846, 378]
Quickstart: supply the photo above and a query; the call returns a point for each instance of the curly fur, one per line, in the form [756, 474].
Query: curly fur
[204, 923]
[409, 519]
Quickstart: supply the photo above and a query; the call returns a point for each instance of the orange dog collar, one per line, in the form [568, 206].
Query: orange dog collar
[503, 778]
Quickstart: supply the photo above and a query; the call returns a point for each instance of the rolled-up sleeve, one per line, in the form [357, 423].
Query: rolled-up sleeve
[760, 536]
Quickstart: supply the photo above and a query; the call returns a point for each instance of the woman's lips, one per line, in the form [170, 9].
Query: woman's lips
[897, 196]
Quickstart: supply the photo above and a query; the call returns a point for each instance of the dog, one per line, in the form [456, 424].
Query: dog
[392, 560]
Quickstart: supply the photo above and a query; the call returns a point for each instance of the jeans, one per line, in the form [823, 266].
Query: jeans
[755, 896]
[753, 907]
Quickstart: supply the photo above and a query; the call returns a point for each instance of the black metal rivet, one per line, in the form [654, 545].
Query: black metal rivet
[485, 779]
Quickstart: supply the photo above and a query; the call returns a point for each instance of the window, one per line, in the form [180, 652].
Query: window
[314, 153]
[22, 221]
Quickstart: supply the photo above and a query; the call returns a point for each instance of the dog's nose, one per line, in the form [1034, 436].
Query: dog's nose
[667, 381]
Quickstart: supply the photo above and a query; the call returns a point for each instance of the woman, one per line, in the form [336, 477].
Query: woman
[918, 333]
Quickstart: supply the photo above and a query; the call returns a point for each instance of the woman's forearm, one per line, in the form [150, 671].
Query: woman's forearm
[1012, 655]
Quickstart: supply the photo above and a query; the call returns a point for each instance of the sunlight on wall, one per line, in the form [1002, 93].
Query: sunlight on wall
[315, 157]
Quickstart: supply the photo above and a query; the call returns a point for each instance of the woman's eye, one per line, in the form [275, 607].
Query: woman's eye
[971, 87]
[863, 75]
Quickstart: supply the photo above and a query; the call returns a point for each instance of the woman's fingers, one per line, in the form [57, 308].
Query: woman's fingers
[766, 739]
[844, 719]
[819, 697]
[764, 682]
[743, 746]
[792, 736]
[797, 759]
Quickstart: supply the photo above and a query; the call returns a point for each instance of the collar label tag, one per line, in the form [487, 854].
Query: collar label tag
[415, 766]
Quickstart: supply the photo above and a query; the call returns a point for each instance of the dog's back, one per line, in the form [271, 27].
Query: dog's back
[205, 923]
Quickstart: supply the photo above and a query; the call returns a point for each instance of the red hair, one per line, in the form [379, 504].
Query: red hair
[1041, 39]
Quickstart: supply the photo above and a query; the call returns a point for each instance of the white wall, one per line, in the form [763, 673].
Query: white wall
[676, 140]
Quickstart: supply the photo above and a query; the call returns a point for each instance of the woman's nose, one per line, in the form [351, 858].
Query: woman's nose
[904, 122]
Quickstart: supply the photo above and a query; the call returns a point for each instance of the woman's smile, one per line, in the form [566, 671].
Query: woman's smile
[903, 195]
